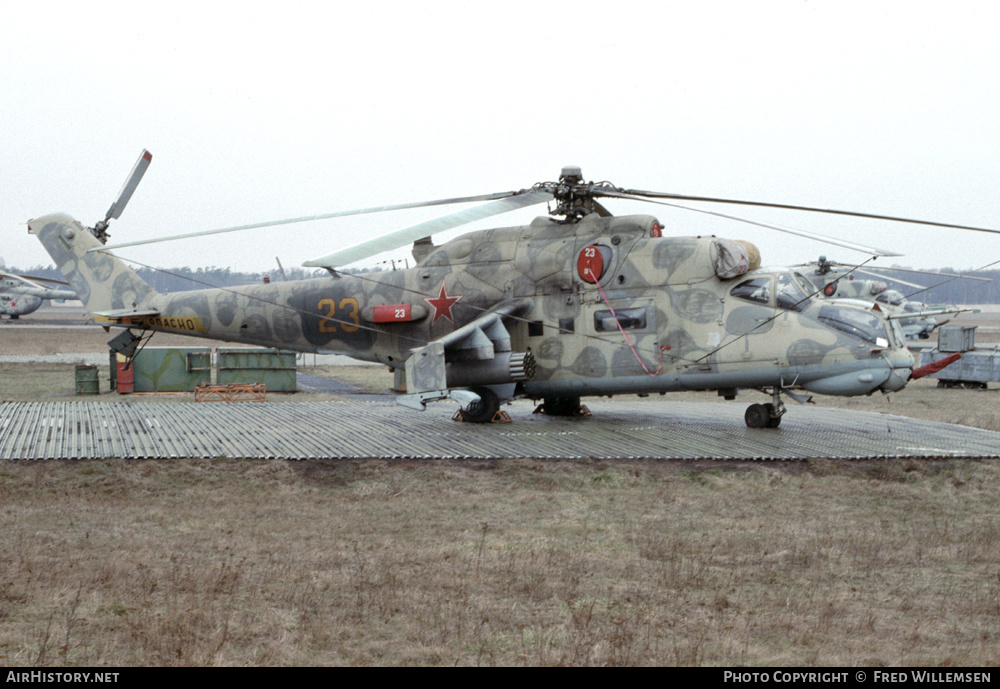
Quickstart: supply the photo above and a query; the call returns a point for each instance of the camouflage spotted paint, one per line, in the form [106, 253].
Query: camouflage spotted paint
[658, 317]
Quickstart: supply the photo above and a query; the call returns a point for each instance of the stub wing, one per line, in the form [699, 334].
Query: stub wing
[477, 354]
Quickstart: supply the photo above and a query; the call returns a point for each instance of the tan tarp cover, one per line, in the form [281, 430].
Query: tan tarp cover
[735, 257]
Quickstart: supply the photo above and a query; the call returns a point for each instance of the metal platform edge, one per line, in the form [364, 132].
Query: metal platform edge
[643, 430]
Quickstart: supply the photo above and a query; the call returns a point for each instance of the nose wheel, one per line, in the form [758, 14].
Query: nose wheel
[761, 416]
[766, 415]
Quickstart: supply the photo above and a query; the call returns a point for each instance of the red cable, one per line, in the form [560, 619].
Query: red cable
[638, 358]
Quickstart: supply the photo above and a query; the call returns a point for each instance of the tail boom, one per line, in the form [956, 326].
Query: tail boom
[103, 282]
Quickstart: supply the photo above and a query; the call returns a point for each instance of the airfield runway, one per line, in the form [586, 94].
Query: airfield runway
[368, 429]
[375, 427]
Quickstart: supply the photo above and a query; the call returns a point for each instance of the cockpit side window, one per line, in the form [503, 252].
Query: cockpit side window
[755, 289]
[790, 294]
[808, 284]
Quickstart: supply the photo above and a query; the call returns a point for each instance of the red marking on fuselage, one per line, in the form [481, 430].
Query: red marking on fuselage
[442, 304]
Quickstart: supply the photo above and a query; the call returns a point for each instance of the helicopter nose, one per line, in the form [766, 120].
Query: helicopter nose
[896, 381]
[899, 373]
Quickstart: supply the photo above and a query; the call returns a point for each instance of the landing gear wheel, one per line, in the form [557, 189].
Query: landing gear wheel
[560, 406]
[757, 416]
[485, 409]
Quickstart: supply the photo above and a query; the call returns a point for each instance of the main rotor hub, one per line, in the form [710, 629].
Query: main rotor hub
[574, 195]
[571, 173]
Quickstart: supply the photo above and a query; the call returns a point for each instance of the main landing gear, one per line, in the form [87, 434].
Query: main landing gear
[561, 406]
[482, 411]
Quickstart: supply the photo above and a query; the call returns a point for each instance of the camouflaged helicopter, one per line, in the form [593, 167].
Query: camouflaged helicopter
[836, 281]
[577, 303]
[24, 294]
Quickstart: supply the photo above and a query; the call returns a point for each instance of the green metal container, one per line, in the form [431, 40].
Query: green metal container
[87, 381]
[171, 369]
[273, 368]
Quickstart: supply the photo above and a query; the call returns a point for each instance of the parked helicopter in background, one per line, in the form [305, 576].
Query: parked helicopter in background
[918, 319]
[577, 303]
[23, 294]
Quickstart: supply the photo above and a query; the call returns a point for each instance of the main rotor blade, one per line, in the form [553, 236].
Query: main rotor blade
[886, 277]
[30, 279]
[682, 197]
[924, 314]
[945, 282]
[930, 272]
[801, 233]
[307, 218]
[402, 237]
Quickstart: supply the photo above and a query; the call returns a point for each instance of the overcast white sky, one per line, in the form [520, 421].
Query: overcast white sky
[262, 110]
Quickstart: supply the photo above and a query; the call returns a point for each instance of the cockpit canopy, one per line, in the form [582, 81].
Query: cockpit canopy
[792, 291]
[788, 289]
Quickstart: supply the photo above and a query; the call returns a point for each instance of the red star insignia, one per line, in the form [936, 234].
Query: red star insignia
[442, 304]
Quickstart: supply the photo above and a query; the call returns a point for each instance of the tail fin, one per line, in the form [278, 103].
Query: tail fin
[103, 282]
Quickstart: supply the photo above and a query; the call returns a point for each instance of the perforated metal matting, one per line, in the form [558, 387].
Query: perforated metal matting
[352, 429]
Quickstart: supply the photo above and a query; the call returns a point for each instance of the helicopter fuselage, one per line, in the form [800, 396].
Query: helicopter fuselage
[600, 306]
[14, 304]
[19, 298]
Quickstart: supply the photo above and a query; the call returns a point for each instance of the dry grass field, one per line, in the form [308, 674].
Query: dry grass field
[517, 562]
[507, 563]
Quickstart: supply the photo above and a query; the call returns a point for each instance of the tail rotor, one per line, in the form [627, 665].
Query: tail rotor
[100, 230]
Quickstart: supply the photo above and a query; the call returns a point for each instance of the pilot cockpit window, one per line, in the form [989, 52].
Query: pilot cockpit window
[806, 283]
[756, 289]
[790, 294]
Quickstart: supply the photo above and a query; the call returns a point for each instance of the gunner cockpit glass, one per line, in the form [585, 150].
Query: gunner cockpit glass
[856, 322]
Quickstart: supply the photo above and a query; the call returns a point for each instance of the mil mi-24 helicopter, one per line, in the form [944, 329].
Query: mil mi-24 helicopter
[837, 281]
[23, 294]
[577, 303]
